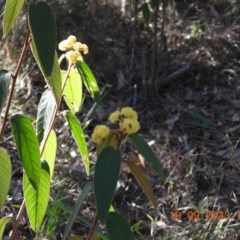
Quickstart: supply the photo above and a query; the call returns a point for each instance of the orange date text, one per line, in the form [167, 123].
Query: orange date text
[196, 215]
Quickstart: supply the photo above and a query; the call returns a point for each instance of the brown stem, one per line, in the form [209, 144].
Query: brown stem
[14, 79]
[17, 220]
[93, 227]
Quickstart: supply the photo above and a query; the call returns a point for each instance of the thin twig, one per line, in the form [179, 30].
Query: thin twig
[93, 227]
[14, 79]
[19, 215]
[177, 74]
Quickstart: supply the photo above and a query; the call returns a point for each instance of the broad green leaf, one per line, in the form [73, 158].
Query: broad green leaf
[49, 152]
[118, 227]
[28, 148]
[5, 175]
[79, 137]
[110, 140]
[11, 12]
[143, 181]
[89, 81]
[43, 29]
[3, 223]
[37, 200]
[106, 173]
[147, 153]
[54, 81]
[77, 206]
[45, 114]
[5, 78]
[146, 12]
[72, 91]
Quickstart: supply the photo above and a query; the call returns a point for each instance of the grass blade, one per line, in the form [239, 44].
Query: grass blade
[81, 197]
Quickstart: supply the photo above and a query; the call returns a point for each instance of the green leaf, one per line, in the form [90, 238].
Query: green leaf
[105, 180]
[11, 12]
[54, 81]
[45, 114]
[49, 152]
[5, 78]
[143, 181]
[72, 91]
[43, 29]
[89, 81]
[5, 175]
[111, 140]
[147, 153]
[146, 12]
[28, 148]
[79, 137]
[3, 223]
[118, 227]
[37, 200]
[77, 206]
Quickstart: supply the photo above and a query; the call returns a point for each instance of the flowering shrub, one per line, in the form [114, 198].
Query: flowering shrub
[37, 144]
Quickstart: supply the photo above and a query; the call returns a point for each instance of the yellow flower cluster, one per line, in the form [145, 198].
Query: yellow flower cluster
[74, 48]
[72, 56]
[127, 119]
[99, 133]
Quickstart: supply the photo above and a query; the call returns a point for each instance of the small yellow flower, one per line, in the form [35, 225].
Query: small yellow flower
[72, 39]
[72, 56]
[102, 130]
[128, 112]
[65, 45]
[62, 46]
[99, 133]
[80, 47]
[115, 116]
[84, 48]
[129, 125]
[96, 138]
